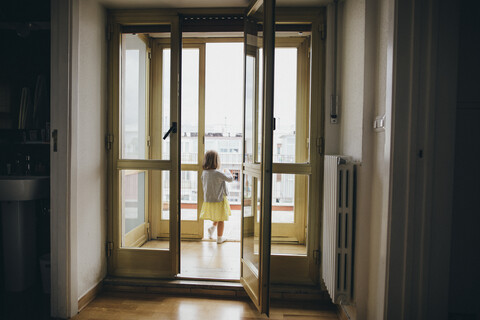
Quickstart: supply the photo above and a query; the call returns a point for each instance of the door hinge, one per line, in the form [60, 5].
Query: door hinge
[108, 141]
[108, 32]
[109, 248]
[148, 229]
[149, 54]
[148, 141]
[321, 28]
[321, 146]
[317, 256]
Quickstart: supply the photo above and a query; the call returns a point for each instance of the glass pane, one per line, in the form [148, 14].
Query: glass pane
[258, 214]
[190, 72]
[289, 213]
[259, 200]
[189, 195]
[285, 99]
[166, 103]
[134, 98]
[135, 201]
[259, 106]
[249, 107]
[165, 195]
[283, 198]
[133, 197]
[250, 225]
[247, 194]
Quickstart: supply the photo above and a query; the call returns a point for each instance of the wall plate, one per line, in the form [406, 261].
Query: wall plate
[379, 123]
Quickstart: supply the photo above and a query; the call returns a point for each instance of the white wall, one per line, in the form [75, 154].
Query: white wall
[351, 91]
[332, 130]
[380, 20]
[351, 55]
[90, 160]
[365, 29]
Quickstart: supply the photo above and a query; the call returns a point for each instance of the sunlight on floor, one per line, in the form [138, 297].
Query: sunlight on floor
[207, 259]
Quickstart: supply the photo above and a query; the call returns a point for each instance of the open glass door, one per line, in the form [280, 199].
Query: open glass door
[144, 164]
[257, 158]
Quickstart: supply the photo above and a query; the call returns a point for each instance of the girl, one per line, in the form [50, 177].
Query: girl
[215, 204]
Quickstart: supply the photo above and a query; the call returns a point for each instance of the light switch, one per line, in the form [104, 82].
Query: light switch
[379, 123]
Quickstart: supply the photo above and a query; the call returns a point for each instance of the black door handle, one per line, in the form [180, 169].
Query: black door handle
[173, 129]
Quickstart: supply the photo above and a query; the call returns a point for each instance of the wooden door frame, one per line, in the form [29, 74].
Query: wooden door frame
[64, 103]
[119, 261]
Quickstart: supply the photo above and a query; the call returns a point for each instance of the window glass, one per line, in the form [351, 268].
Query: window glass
[133, 199]
[285, 100]
[190, 77]
[250, 225]
[134, 98]
[189, 195]
[249, 108]
[166, 103]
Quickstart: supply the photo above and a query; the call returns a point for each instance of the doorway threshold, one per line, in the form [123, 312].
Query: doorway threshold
[181, 286]
[214, 288]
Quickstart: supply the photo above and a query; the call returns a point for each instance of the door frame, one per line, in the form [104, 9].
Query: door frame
[308, 267]
[119, 259]
[63, 226]
[256, 278]
[309, 270]
[195, 228]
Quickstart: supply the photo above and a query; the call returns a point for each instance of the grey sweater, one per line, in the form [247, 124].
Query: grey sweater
[214, 186]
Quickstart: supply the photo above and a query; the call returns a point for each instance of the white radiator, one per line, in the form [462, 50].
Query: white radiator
[338, 228]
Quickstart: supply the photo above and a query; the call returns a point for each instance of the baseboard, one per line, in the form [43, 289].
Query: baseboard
[346, 312]
[89, 296]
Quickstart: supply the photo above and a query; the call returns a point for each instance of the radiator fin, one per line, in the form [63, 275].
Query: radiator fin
[338, 228]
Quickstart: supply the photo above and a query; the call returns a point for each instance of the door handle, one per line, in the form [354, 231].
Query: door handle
[173, 129]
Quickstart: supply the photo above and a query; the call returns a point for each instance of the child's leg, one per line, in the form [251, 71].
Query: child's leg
[215, 223]
[220, 227]
[211, 230]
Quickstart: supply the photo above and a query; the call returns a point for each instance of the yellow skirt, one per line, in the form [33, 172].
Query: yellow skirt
[216, 211]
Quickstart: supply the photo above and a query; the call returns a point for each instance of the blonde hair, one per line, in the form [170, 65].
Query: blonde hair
[211, 160]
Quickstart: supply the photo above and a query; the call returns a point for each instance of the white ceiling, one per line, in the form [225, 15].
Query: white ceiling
[129, 4]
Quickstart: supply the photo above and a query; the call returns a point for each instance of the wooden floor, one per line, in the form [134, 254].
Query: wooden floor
[120, 306]
[207, 259]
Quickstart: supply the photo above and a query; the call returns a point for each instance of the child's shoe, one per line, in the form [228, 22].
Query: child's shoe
[211, 230]
[221, 240]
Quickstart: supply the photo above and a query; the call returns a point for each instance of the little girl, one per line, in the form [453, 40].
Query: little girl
[215, 204]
